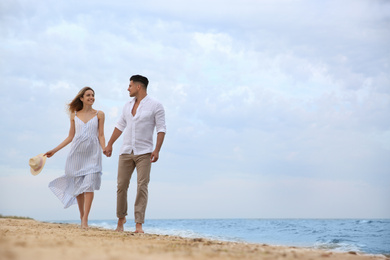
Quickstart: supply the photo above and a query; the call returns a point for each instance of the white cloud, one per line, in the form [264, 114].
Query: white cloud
[258, 89]
[70, 32]
[263, 198]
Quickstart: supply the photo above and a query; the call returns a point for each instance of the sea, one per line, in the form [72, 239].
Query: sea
[369, 236]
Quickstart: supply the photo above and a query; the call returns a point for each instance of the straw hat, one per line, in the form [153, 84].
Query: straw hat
[36, 163]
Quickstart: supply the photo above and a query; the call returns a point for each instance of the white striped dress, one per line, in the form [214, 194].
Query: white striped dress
[83, 168]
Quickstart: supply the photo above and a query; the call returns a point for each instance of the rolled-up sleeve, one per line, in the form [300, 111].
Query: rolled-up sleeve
[160, 119]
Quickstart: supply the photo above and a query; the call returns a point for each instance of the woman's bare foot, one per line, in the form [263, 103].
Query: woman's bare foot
[121, 222]
[84, 223]
[138, 228]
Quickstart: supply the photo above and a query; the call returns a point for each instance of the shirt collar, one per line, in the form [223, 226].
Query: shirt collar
[142, 101]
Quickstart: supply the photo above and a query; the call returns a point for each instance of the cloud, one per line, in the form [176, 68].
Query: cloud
[293, 197]
[252, 90]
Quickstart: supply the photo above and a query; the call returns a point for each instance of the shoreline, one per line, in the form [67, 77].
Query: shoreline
[31, 239]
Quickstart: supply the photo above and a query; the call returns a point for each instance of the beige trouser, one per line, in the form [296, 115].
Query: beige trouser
[127, 164]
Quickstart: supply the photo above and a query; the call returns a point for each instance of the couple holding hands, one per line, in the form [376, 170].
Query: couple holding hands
[83, 168]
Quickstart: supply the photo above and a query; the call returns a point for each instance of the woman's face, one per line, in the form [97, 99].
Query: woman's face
[88, 98]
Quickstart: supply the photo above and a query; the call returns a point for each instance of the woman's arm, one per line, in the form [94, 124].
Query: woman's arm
[69, 139]
[102, 140]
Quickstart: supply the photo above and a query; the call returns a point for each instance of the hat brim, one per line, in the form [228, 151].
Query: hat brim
[36, 172]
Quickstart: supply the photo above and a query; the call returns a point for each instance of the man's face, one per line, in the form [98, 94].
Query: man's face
[133, 88]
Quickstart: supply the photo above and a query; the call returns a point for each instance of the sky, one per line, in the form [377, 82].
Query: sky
[274, 109]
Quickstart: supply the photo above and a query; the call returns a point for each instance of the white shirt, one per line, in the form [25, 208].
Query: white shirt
[138, 130]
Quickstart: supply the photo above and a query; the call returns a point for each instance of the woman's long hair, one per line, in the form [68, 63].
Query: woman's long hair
[77, 104]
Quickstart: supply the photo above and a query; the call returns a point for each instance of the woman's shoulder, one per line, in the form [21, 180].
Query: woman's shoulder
[100, 113]
[72, 115]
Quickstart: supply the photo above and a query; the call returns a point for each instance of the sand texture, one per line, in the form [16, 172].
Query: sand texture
[30, 239]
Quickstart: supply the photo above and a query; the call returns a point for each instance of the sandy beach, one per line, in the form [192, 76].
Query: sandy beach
[30, 239]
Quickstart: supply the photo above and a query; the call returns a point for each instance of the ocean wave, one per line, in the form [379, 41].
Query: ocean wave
[365, 236]
[340, 245]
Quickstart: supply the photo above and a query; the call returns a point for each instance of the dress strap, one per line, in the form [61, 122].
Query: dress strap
[97, 112]
[75, 113]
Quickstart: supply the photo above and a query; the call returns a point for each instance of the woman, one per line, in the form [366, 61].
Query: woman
[83, 168]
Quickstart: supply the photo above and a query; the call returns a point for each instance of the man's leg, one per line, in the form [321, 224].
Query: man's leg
[126, 166]
[143, 165]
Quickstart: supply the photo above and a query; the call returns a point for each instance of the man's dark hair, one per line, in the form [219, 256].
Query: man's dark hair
[140, 79]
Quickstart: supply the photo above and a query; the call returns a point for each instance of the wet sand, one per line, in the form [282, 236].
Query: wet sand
[30, 239]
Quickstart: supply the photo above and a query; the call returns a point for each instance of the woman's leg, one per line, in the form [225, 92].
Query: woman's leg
[88, 198]
[80, 202]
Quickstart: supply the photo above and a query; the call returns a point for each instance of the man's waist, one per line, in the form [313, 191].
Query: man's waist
[135, 152]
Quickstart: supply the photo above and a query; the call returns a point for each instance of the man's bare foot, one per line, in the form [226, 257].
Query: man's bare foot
[138, 228]
[121, 222]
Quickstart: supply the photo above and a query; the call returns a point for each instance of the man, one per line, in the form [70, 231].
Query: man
[139, 118]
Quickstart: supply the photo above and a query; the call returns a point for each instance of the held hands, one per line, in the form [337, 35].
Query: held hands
[107, 151]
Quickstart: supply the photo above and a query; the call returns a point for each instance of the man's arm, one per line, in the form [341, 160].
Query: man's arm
[115, 135]
[159, 142]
